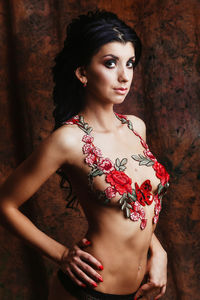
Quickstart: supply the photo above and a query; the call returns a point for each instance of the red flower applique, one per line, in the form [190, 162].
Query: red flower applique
[73, 120]
[93, 153]
[161, 173]
[96, 151]
[110, 192]
[144, 144]
[91, 159]
[136, 206]
[87, 139]
[148, 153]
[155, 219]
[134, 216]
[121, 116]
[137, 212]
[143, 224]
[120, 181]
[132, 201]
[105, 165]
[87, 148]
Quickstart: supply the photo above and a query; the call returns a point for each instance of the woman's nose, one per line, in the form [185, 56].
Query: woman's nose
[123, 75]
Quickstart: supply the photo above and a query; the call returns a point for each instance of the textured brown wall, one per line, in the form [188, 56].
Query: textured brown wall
[165, 94]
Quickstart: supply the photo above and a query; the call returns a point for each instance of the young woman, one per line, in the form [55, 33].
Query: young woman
[116, 178]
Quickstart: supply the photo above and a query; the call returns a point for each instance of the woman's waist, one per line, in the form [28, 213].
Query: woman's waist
[118, 242]
[123, 270]
[119, 255]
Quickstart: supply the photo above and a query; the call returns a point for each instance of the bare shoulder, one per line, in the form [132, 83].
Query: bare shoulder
[139, 125]
[59, 148]
[66, 137]
[66, 140]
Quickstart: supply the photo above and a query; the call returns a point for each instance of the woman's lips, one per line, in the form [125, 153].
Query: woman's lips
[121, 91]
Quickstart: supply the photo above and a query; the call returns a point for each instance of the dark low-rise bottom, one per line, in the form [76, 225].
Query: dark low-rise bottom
[88, 293]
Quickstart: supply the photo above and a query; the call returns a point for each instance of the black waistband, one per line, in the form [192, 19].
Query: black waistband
[88, 293]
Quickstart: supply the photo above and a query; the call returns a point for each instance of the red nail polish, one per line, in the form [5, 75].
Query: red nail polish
[94, 284]
[100, 279]
[83, 285]
[87, 243]
[101, 267]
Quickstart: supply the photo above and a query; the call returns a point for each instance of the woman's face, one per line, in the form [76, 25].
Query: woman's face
[110, 73]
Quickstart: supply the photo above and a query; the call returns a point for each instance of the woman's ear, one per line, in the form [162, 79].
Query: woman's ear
[80, 74]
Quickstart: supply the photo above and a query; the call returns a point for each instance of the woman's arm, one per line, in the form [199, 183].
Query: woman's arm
[22, 184]
[52, 153]
[156, 271]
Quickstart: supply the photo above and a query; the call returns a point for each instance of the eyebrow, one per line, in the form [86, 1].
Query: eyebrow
[132, 57]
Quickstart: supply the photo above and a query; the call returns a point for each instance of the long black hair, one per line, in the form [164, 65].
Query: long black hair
[85, 35]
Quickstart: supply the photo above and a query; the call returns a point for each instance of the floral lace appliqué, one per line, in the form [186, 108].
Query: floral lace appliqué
[132, 200]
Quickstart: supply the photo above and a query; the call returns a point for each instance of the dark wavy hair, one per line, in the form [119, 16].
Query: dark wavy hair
[85, 35]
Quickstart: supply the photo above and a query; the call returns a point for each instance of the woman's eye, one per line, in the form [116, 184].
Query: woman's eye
[110, 63]
[130, 64]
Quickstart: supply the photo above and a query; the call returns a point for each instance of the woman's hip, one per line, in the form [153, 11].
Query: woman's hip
[87, 293]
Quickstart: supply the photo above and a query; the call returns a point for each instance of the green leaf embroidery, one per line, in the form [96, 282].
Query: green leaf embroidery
[167, 185]
[143, 160]
[121, 201]
[160, 188]
[134, 194]
[122, 168]
[123, 205]
[130, 125]
[123, 198]
[117, 162]
[120, 165]
[123, 120]
[133, 197]
[127, 212]
[128, 205]
[81, 119]
[96, 172]
[150, 163]
[135, 157]
[117, 168]
[89, 130]
[123, 161]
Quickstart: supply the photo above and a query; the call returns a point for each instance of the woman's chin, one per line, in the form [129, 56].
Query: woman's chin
[119, 100]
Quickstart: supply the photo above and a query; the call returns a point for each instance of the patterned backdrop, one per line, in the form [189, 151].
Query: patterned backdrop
[165, 94]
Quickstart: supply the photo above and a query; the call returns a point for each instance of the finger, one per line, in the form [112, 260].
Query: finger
[87, 257]
[74, 278]
[162, 292]
[90, 271]
[83, 276]
[84, 243]
[144, 289]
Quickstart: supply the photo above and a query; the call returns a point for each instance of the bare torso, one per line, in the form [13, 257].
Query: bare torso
[118, 242]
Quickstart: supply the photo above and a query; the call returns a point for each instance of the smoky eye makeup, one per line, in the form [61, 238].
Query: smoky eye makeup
[131, 63]
[110, 63]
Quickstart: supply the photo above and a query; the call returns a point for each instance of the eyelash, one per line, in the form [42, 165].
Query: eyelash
[108, 62]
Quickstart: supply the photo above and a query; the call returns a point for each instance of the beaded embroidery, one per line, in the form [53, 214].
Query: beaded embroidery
[132, 200]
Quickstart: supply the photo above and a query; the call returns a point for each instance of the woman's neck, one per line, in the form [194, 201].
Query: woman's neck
[100, 117]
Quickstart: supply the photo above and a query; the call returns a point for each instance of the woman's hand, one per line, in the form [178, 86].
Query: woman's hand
[76, 263]
[157, 277]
